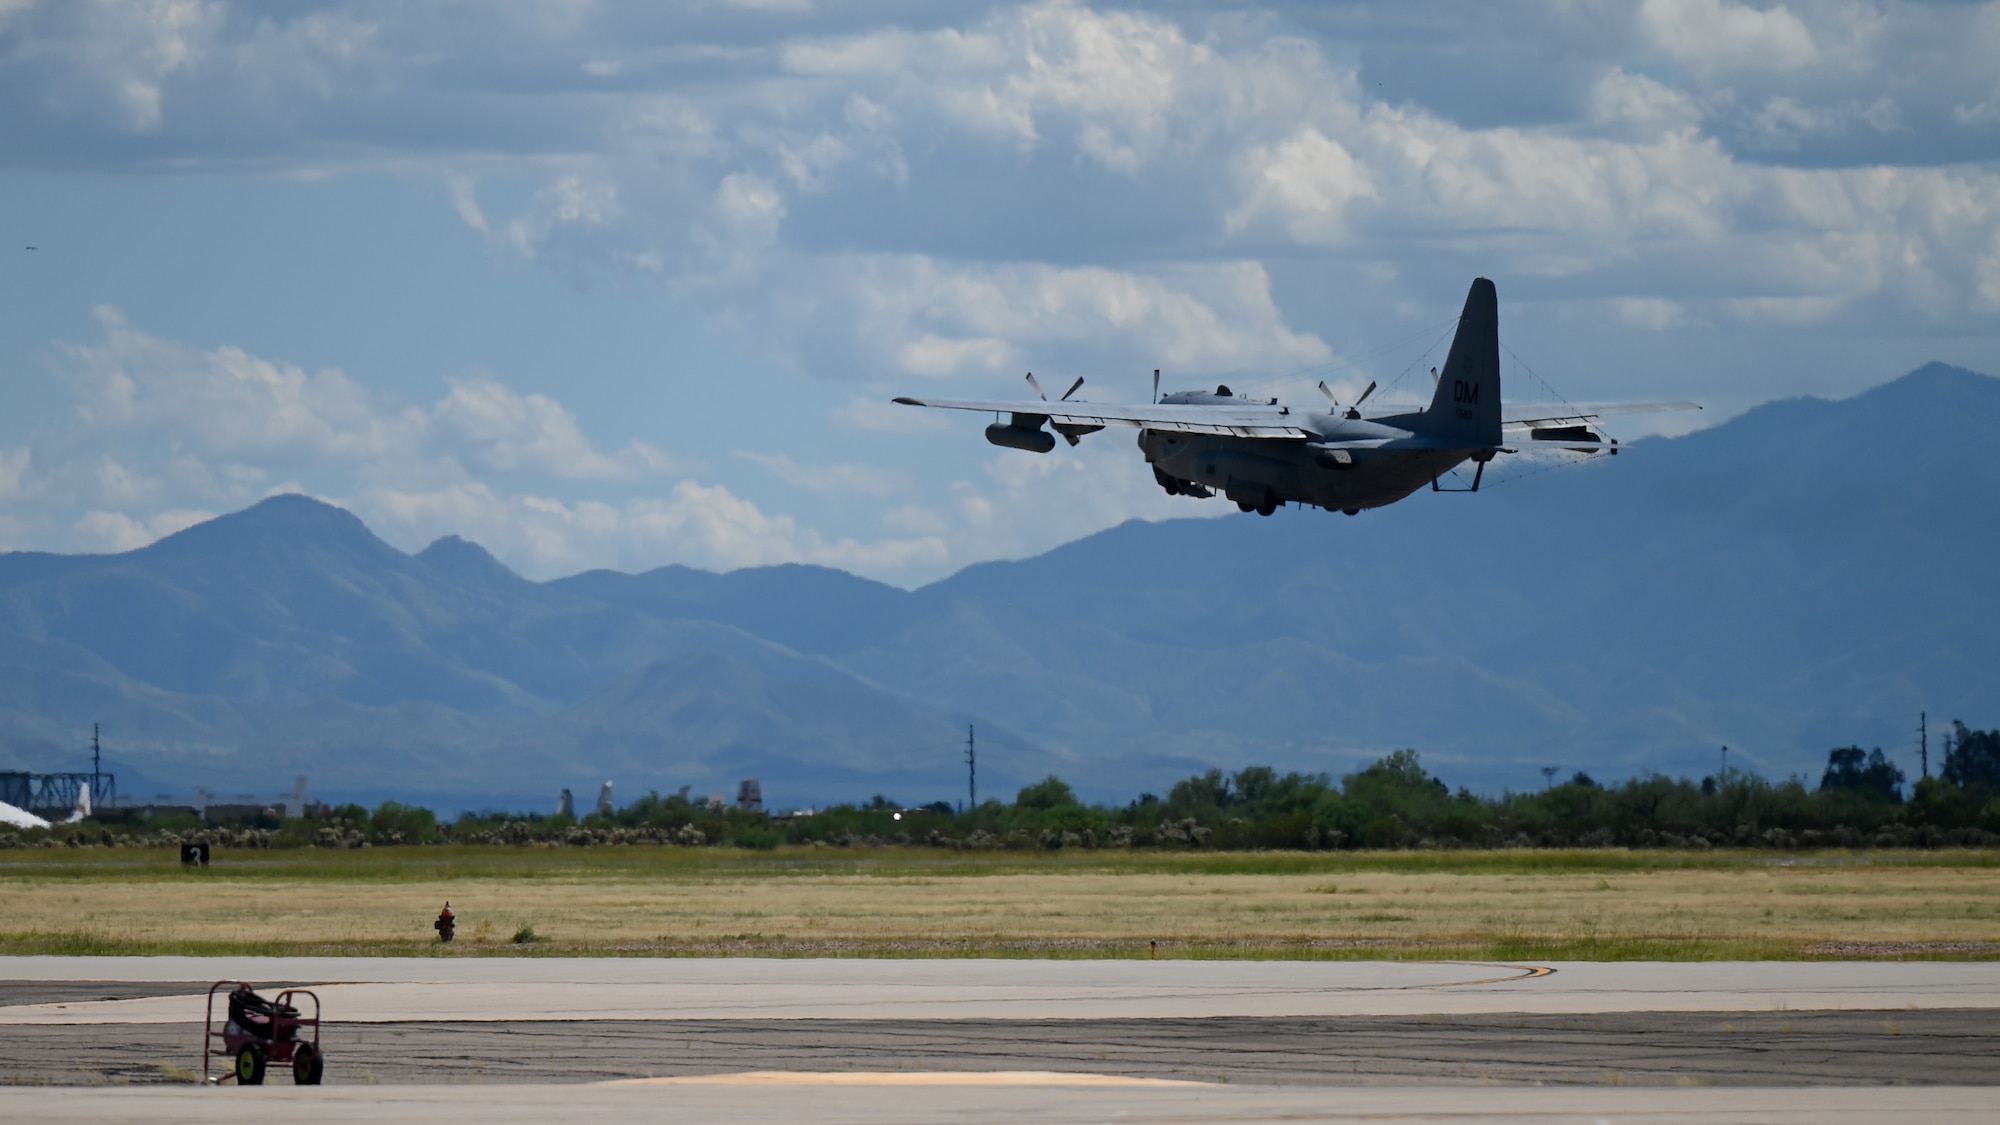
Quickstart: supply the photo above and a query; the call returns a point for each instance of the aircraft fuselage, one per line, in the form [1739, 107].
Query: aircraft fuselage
[1350, 464]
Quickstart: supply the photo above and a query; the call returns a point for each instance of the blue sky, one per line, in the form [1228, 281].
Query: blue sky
[622, 285]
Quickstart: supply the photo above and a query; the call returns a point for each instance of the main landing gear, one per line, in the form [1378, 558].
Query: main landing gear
[1175, 486]
[1264, 507]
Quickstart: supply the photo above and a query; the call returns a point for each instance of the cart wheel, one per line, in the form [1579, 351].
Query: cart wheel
[250, 1065]
[308, 1066]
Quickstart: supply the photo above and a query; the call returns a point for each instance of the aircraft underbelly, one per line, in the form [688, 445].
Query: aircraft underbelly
[1291, 471]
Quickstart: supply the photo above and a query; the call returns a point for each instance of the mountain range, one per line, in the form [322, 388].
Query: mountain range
[1807, 575]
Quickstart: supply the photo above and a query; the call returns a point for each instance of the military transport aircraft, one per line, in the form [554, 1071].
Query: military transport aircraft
[1264, 455]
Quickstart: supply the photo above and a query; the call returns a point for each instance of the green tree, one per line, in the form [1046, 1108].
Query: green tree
[1202, 796]
[1974, 757]
[1393, 802]
[397, 823]
[1051, 792]
[1871, 775]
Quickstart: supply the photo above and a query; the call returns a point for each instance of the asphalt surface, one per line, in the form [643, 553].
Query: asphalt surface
[1942, 1047]
[514, 989]
[1027, 1099]
[109, 1039]
[18, 992]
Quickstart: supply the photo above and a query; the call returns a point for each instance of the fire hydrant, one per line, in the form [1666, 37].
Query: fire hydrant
[445, 924]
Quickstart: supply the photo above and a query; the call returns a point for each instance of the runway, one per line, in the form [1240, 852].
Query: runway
[529, 988]
[1026, 1103]
[518, 1038]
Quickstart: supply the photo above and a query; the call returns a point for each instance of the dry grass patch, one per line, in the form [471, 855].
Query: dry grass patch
[686, 901]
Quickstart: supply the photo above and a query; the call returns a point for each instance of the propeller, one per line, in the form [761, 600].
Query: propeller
[1352, 411]
[1059, 427]
[1036, 383]
[1156, 386]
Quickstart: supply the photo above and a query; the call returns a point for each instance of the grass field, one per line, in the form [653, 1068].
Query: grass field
[1610, 904]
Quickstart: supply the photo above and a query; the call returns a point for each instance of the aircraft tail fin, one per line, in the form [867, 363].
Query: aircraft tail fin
[1466, 405]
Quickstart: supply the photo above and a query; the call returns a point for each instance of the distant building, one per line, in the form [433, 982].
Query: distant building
[565, 804]
[750, 795]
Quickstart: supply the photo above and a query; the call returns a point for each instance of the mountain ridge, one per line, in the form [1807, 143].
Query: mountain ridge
[1792, 579]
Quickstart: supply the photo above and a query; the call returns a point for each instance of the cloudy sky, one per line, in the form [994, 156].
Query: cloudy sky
[605, 284]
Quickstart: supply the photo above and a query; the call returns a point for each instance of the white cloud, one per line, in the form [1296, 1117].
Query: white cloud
[1721, 34]
[831, 479]
[694, 524]
[924, 316]
[165, 435]
[1636, 100]
[1021, 504]
[507, 432]
[132, 47]
[1310, 179]
[105, 532]
[1792, 311]
[236, 411]
[759, 190]
[1653, 314]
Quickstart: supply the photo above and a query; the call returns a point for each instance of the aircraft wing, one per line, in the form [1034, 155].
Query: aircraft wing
[1250, 420]
[1524, 414]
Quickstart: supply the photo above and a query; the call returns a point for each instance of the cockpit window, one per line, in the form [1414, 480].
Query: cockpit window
[1222, 390]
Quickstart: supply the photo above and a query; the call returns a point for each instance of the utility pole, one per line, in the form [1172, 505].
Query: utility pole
[1924, 741]
[1725, 764]
[1549, 775]
[96, 767]
[971, 770]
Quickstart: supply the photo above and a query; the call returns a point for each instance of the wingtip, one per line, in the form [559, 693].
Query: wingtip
[905, 400]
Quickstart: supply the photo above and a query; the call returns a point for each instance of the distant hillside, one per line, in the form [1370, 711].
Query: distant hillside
[287, 638]
[1809, 574]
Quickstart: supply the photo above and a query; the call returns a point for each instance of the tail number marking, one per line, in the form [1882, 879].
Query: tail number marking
[1462, 391]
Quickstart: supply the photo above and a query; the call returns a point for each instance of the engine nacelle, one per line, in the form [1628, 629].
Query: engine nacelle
[1035, 440]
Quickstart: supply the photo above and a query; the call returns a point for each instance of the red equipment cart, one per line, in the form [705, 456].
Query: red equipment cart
[259, 1032]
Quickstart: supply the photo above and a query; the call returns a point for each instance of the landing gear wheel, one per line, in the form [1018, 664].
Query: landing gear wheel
[308, 1066]
[1268, 506]
[250, 1065]
[1245, 506]
[1350, 511]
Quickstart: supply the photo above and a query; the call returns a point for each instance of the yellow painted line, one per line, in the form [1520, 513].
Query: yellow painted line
[903, 1078]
